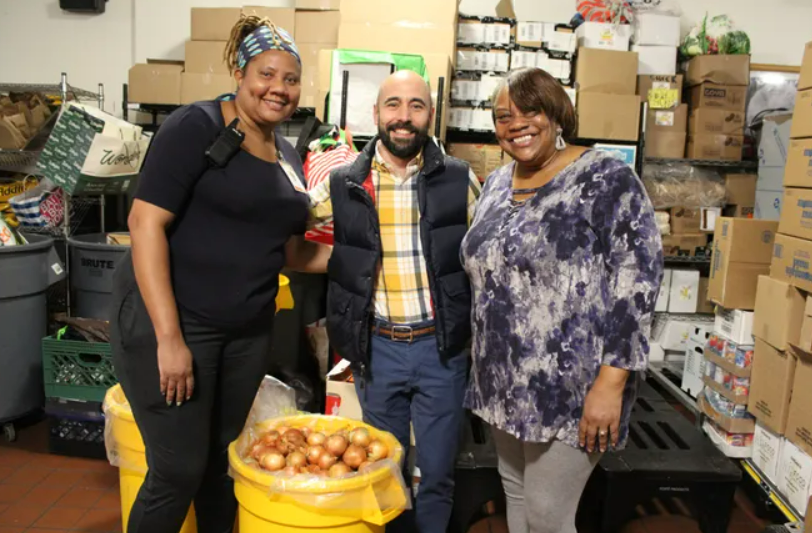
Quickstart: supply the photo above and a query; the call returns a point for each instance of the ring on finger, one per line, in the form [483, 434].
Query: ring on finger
[603, 433]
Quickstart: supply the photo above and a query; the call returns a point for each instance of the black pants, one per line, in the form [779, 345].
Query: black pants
[187, 446]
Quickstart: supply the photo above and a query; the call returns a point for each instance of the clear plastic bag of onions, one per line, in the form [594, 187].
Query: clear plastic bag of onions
[322, 462]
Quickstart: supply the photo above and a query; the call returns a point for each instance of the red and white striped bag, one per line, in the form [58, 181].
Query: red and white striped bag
[317, 168]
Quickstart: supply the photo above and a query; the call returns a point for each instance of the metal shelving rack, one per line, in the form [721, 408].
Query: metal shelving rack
[25, 162]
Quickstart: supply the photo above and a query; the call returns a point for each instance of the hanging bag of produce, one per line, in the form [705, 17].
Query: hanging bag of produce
[92, 152]
[40, 207]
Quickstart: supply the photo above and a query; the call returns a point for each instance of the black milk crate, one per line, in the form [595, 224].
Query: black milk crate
[75, 428]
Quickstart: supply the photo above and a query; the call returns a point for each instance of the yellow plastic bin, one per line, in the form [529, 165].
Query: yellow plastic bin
[363, 503]
[130, 446]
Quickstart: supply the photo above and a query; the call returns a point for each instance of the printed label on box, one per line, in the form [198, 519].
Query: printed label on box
[664, 118]
[531, 31]
[663, 97]
[497, 33]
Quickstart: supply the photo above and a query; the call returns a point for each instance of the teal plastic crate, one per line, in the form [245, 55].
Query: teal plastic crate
[77, 370]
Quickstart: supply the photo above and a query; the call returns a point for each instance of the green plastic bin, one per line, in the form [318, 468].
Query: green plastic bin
[77, 370]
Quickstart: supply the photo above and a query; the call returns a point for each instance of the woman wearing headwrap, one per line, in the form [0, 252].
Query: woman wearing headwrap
[194, 308]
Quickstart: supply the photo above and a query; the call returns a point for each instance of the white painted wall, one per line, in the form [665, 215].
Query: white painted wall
[39, 41]
[778, 29]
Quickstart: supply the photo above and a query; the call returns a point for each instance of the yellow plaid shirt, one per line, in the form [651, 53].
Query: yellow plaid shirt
[402, 293]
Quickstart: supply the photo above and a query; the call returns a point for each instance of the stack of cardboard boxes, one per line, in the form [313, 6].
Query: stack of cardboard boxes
[316, 27]
[742, 251]
[608, 105]
[667, 120]
[656, 37]
[781, 392]
[718, 99]
[740, 195]
[772, 159]
[686, 237]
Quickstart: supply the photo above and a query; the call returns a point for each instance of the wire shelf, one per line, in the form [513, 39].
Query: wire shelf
[49, 89]
[700, 162]
[21, 161]
[683, 259]
[79, 207]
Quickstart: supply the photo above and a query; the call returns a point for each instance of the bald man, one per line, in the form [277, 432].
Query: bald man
[399, 301]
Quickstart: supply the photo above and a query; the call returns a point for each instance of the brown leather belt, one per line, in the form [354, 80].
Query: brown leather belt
[402, 333]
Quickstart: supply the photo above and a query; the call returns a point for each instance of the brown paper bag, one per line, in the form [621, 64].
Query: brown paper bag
[10, 136]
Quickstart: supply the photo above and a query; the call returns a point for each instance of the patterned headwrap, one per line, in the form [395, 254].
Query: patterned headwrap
[263, 39]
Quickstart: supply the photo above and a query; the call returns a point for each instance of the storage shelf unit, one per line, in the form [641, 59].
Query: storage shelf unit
[702, 163]
[771, 492]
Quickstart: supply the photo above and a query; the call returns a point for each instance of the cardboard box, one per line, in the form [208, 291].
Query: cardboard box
[742, 249]
[312, 72]
[735, 325]
[674, 334]
[656, 60]
[791, 261]
[795, 475]
[665, 291]
[418, 40]
[738, 399]
[770, 179]
[687, 245]
[802, 117]
[708, 218]
[768, 205]
[731, 425]
[473, 60]
[205, 57]
[608, 116]
[483, 158]
[694, 369]
[704, 306]
[712, 95]
[710, 120]
[606, 72]
[773, 145]
[728, 366]
[805, 81]
[808, 522]
[719, 69]
[476, 32]
[324, 5]
[684, 291]
[771, 386]
[715, 147]
[799, 422]
[666, 145]
[667, 120]
[198, 87]
[796, 213]
[798, 172]
[684, 220]
[560, 40]
[424, 13]
[530, 34]
[767, 447]
[317, 27]
[673, 84]
[653, 29]
[779, 313]
[155, 82]
[604, 35]
[739, 211]
[215, 24]
[805, 341]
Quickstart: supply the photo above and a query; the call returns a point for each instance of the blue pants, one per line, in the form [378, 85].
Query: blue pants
[410, 383]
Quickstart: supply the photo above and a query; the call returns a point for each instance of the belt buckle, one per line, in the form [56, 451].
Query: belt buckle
[402, 329]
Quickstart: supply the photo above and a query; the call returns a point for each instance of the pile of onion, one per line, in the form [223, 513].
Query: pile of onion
[302, 451]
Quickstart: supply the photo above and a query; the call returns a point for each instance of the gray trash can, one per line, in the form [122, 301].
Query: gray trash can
[26, 272]
[92, 264]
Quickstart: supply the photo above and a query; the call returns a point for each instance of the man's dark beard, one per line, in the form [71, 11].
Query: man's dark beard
[401, 150]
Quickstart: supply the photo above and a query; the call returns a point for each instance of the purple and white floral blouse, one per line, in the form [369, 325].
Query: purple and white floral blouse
[563, 284]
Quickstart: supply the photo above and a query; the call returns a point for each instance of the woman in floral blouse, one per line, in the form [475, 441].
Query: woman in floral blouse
[565, 260]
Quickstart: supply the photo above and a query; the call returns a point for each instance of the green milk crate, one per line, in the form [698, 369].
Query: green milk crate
[77, 370]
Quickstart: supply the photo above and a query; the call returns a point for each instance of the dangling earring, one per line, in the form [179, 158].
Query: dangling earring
[559, 140]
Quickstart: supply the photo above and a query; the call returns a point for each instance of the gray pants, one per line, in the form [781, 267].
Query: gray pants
[543, 483]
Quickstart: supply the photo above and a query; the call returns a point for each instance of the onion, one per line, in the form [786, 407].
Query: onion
[272, 461]
[327, 460]
[304, 470]
[336, 445]
[290, 471]
[257, 449]
[314, 453]
[316, 439]
[294, 436]
[354, 456]
[360, 437]
[377, 450]
[314, 469]
[306, 432]
[282, 430]
[365, 465]
[271, 438]
[297, 459]
[339, 470]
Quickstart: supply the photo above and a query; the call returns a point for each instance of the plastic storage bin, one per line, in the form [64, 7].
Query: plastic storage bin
[92, 265]
[77, 370]
[26, 272]
[75, 428]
